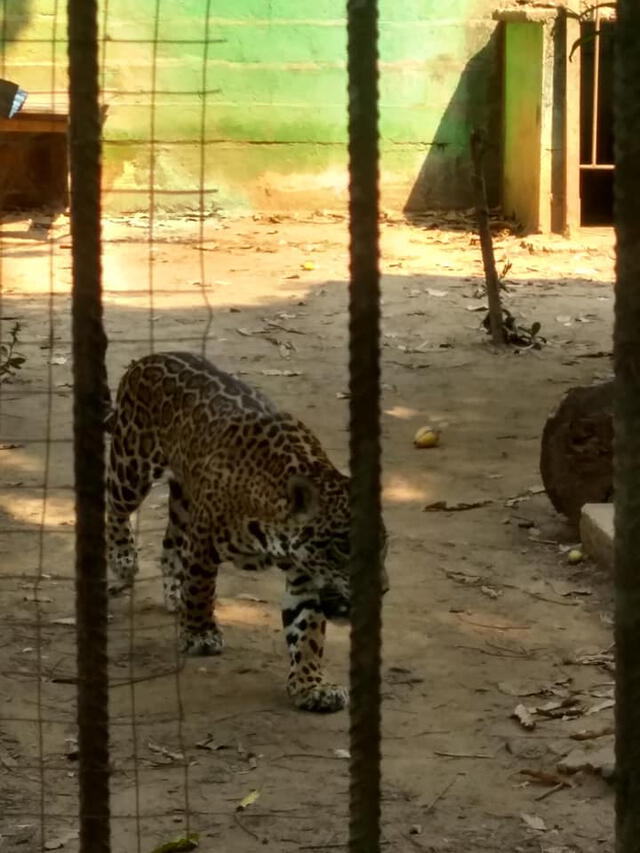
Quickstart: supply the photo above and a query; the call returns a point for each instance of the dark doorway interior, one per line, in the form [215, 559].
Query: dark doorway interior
[596, 123]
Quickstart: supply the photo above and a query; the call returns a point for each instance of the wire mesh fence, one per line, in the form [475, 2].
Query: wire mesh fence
[189, 748]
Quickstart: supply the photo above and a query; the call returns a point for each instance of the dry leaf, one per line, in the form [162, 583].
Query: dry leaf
[600, 760]
[514, 688]
[64, 620]
[544, 778]
[247, 801]
[490, 592]
[342, 753]
[443, 506]
[534, 822]
[276, 372]
[180, 845]
[162, 750]
[58, 843]
[567, 707]
[592, 734]
[523, 716]
[210, 744]
[601, 706]
[7, 760]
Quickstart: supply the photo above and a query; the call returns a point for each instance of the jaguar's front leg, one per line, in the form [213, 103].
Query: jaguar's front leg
[200, 633]
[305, 628]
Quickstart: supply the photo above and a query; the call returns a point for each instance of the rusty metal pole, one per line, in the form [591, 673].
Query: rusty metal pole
[364, 367]
[89, 344]
[627, 426]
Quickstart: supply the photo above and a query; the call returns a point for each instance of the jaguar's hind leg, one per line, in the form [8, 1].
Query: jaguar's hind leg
[129, 478]
[172, 545]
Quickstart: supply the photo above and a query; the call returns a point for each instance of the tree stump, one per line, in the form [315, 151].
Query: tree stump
[576, 457]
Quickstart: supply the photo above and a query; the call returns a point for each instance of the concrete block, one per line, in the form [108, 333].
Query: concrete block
[596, 533]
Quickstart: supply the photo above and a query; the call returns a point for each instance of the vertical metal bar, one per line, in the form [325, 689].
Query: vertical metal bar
[627, 425]
[364, 366]
[596, 91]
[89, 344]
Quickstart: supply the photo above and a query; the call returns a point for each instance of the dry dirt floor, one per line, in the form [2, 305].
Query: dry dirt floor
[485, 612]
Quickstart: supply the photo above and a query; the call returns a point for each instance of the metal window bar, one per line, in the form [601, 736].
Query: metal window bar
[593, 163]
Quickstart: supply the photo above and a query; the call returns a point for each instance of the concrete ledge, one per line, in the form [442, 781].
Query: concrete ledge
[596, 533]
[526, 14]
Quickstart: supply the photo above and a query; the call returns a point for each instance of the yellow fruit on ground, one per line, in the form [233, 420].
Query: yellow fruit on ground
[427, 436]
[575, 556]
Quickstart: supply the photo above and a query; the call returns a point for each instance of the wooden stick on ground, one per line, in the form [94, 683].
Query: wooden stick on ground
[486, 243]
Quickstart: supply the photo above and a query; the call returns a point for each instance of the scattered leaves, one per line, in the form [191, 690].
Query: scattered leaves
[520, 336]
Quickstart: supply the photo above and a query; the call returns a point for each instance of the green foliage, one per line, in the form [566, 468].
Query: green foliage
[10, 361]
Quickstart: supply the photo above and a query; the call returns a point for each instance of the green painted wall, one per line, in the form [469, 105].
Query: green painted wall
[262, 82]
[523, 89]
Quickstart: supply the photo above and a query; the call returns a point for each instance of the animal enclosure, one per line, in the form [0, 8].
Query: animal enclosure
[484, 613]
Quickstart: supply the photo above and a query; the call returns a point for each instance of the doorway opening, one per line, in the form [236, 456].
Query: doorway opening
[596, 122]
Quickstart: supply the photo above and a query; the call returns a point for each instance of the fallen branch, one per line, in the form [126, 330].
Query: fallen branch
[442, 793]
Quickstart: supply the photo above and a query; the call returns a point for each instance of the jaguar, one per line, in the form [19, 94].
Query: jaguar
[248, 484]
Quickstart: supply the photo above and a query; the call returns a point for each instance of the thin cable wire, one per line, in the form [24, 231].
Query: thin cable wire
[364, 386]
[43, 513]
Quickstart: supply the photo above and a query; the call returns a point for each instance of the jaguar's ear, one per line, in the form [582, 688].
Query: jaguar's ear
[303, 497]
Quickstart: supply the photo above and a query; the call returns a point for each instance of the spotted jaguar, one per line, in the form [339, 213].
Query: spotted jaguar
[248, 484]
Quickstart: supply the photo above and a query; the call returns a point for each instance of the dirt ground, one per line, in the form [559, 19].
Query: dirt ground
[484, 614]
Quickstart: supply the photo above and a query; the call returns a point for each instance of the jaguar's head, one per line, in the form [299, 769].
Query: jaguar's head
[320, 544]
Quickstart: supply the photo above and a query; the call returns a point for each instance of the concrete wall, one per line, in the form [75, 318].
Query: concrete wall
[262, 83]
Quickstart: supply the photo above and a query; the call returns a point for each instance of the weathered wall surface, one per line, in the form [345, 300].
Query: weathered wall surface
[249, 103]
